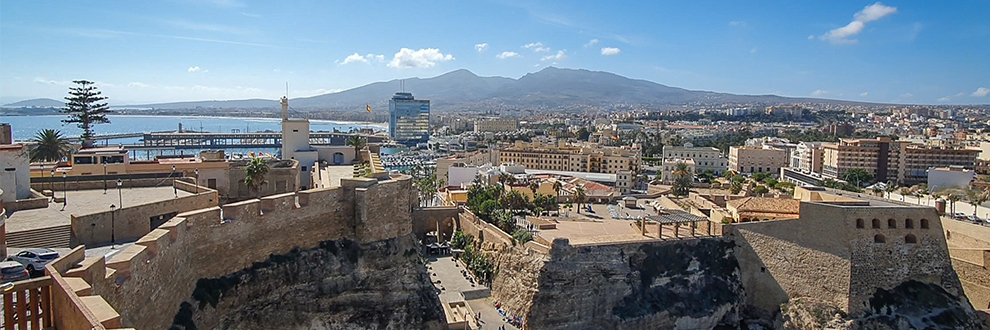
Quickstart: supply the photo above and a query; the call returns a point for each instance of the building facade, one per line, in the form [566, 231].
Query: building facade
[900, 162]
[669, 168]
[496, 125]
[807, 157]
[409, 119]
[757, 159]
[623, 162]
[704, 158]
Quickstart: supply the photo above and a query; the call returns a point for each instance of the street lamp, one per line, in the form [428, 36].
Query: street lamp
[104, 177]
[120, 197]
[65, 191]
[52, 180]
[197, 180]
[113, 238]
[175, 190]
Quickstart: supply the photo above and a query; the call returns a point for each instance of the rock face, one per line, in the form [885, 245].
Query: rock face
[338, 285]
[910, 305]
[691, 284]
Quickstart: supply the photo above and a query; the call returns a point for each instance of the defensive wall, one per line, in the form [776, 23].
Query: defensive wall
[969, 247]
[841, 254]
[132, 222]
[146, 282]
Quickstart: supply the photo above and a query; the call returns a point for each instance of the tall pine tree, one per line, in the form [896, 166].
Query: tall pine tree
[85, 110]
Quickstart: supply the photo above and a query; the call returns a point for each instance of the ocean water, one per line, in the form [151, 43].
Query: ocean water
[25, 127]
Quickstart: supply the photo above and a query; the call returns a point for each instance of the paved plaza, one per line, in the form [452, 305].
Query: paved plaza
[330, 175]
[82, 202]
[600, 227]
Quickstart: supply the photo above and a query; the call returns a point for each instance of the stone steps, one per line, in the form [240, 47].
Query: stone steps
[48, 237]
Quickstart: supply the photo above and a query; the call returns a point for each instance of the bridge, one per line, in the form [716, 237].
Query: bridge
[200, 140]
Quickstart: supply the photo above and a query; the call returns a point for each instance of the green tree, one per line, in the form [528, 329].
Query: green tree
[358, 143]
[534, 186]
[256, 170]
[557, 186]
[49, 146]
[85, 110]
[682, 180]
[736, 187]
[857, 177]
[976, 198]
[521, 236]
[953, 198]
[706, 176]
[761, 189]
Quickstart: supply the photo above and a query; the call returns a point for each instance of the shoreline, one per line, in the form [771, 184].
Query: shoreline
[272, 119]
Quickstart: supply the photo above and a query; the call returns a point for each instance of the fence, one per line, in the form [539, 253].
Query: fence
[28, 305]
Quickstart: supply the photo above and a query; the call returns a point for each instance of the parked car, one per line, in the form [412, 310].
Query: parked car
[11, 271]
[959, 216]
[34, 259]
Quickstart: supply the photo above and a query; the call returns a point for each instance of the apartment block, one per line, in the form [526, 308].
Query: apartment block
[888, 160]
[808, 157]
[704, 158]
[751, 159]
[496, 125]
[587, 157]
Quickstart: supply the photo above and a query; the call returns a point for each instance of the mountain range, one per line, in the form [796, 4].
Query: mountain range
[547, 88]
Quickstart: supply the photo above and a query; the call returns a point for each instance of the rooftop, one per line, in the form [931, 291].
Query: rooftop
[82, 202]
[766, 205]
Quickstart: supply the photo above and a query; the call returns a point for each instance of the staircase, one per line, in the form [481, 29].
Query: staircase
[48, 237]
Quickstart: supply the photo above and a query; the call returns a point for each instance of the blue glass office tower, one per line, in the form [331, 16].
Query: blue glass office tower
[408, 119]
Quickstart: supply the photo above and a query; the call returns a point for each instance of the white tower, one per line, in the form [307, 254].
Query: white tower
[295, 143]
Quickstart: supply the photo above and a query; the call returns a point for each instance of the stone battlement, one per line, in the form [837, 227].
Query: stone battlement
[146, 282]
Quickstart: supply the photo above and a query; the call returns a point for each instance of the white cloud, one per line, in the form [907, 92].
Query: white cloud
[981, 92]
[139, 85]
[907, 95]
[871, 13]
[52, 82]
[505, 55]
[591, 42]
[944, 99]
[752, 51]
[357, 58]
[738, 23]
[481, 47]
[561, 54]
[423, 58]
[195, 69]
[608, 51]
[864, 94]
[819, 92]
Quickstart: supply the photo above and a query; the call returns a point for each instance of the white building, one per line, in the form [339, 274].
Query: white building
[669, 166]
[15, 172]
[496, 125]
[295, 145]
[704, 158]
[460, 175]
[949, 177]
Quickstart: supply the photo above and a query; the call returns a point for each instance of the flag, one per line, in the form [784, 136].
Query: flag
[368, 106]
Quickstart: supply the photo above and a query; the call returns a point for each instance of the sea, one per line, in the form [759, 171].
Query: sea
[26, 127]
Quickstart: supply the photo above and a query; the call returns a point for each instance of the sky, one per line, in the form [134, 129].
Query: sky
[915, 52]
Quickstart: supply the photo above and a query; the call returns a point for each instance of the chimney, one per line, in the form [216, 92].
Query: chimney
[285, 108]
[6, 134]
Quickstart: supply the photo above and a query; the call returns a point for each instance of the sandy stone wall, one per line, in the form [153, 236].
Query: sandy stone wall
[161, 269]
[132, 222]
[426, 219]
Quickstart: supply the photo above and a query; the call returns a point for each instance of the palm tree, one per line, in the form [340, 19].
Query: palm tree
[682, 179]
[358, 143]
[953, 198]
[256, 170]
[534, 186]
[557, 186]
[49, 146]
[976, 197]
[581, 197]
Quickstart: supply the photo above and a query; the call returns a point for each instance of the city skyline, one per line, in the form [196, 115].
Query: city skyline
[896, 52]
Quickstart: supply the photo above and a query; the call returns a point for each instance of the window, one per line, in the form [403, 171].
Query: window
[891, 224]
[879, 239]
[924, 223]
[910, 239]
[859, 223]
[876, 223]
[909, 224]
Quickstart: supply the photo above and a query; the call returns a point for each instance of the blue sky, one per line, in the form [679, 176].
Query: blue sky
[928, 52]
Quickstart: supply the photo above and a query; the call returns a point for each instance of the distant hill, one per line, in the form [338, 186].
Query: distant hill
[460, 89]
[37, 103]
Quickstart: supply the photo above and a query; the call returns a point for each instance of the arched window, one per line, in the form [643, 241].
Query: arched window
[910, 239]
[891, 224]
[859, 223]
[876, 223]
[909, 224]
[924, 223]
[879, 239]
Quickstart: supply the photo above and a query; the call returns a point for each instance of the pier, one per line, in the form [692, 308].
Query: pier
[198, 140]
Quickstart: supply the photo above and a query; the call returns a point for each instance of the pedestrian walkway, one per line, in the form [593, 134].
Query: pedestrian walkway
[453, 283]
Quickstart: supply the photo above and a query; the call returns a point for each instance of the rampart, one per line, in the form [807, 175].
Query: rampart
[131, 222]
[146, 282]
[969, 247]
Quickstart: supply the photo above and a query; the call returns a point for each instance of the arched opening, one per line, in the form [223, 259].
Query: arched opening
[910, 239]
[891, 224]
[876, 223]
[859, 223]
[879, 239]
[909, 224]
[924, 223]
[338, 158]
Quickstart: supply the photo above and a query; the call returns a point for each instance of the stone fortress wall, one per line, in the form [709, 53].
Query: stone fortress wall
[146, 282]
[969, 247]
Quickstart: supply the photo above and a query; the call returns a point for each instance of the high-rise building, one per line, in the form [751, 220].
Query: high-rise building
[889, 160]
[409, 119]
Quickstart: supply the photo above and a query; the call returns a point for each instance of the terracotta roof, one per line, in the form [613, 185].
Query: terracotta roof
[766, 205]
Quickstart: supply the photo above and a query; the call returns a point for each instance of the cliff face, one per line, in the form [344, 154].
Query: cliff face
[691, 284]
[338, 285]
